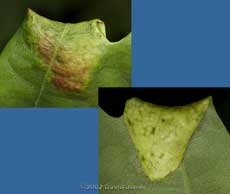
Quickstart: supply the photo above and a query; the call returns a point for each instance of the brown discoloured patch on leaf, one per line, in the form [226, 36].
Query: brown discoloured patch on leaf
[69, 77]
[66, 83]
[46, 48]
[70, 72]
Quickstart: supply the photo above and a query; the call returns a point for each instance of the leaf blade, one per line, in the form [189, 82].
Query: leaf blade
[206, 160]
[84, 60]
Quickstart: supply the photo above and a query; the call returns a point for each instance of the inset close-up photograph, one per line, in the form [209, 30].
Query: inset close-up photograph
[164, 140]
[61, 59]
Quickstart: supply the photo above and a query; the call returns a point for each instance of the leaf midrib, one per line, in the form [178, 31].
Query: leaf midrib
[56, 48]
[187, 186]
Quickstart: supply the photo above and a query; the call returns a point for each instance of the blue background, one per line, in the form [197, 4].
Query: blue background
[48, 151]
[181, 43]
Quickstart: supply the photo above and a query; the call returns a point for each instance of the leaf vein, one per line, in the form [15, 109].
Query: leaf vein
[187, 186]
[49, 68]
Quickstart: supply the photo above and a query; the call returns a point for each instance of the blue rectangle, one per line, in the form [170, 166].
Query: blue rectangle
[48, 150]
[181, 43]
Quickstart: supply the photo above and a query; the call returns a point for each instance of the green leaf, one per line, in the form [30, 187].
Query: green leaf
[205, 167]
[52, 64]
